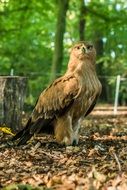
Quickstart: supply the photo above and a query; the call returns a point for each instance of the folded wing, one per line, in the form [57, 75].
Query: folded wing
[53, 102]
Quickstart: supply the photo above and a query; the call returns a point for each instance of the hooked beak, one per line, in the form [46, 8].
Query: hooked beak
[84, 49]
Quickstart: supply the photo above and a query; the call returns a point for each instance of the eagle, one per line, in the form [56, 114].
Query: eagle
[62, 106]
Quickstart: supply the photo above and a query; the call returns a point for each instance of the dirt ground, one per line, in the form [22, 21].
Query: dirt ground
[99, 162]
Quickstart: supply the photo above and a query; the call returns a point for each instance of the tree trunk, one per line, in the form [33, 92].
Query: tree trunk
[82, 20]
[100, 68]
[60, 30]
[12, 93]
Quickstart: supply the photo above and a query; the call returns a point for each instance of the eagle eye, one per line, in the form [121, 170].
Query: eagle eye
[89, 47]
[77, 47]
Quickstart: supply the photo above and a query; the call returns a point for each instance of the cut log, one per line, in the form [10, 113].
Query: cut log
[12, 94]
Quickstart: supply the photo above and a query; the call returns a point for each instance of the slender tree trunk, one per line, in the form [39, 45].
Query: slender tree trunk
[59, 35]
[100, 68]
[82, 20]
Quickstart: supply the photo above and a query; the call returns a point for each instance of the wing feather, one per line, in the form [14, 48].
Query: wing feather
[56, 98]
[53, 101]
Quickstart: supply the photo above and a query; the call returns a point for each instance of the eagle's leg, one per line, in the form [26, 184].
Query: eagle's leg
[76, 128]
[63, 130]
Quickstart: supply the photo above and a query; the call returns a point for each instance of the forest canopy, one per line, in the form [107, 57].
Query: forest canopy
[28, 30]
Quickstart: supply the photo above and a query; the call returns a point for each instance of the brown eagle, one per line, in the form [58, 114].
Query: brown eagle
[61, 106]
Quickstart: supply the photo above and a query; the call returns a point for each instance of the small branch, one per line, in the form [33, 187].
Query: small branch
[103, 16]
[44, 152]
[117, 161]
[36, 146]
[50, 155]
[4, 13]
[98, 14]
[3, 31]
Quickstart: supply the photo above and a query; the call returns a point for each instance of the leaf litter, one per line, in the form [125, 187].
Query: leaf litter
[98, 162]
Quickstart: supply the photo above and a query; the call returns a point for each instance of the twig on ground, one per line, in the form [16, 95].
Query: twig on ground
[117, 161]
[44, 152]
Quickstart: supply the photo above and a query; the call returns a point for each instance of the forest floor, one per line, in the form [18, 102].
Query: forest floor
[99, 162]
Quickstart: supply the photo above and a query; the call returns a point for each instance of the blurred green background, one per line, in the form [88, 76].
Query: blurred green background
[35, 37]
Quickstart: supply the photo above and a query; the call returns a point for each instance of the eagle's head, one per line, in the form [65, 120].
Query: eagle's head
[83, 50]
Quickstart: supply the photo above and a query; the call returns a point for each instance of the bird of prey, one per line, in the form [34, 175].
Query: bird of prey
[64, 104]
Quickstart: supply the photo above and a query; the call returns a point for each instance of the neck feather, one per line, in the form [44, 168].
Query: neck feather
[80, 66]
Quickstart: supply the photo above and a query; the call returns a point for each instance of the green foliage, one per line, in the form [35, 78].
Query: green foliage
[27, 33]
[26, 37]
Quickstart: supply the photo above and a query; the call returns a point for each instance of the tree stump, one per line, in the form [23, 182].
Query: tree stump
[12, 94]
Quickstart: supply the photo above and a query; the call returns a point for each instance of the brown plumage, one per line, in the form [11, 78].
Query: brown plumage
[61, 107]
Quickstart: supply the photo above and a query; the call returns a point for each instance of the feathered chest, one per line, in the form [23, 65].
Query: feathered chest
[89, 92]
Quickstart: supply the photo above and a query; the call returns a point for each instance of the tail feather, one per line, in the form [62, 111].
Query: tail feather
[24, 138]
[24, 135]
[43, 125]
[23, 131]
